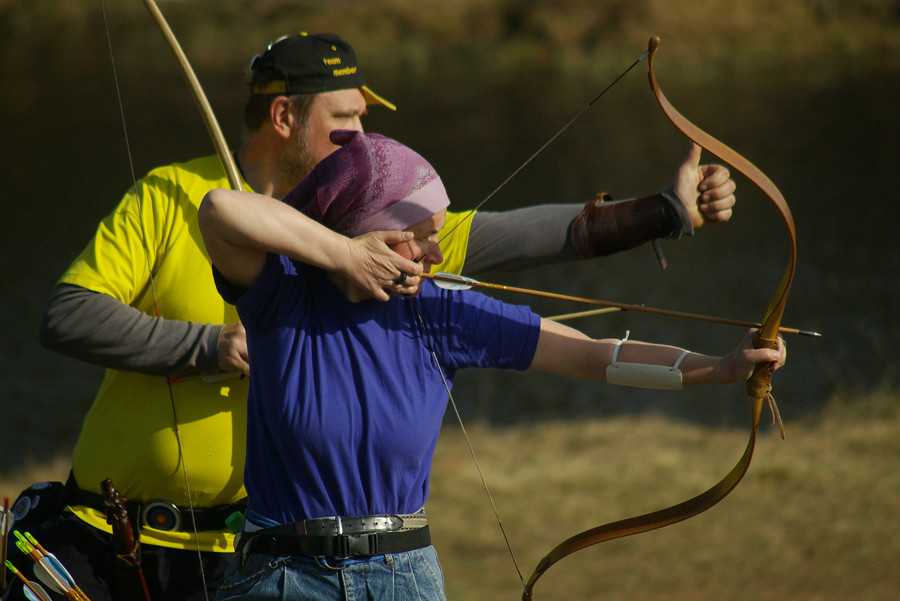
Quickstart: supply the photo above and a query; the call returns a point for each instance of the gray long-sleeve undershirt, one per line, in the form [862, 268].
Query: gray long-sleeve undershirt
[98, 329]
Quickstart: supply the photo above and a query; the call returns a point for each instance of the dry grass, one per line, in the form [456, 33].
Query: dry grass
[815, 519]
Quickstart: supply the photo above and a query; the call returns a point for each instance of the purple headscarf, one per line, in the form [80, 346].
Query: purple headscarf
[371, 183]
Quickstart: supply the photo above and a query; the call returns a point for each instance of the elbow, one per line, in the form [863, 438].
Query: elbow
[209, 213]
[49, 335]
[52, 332]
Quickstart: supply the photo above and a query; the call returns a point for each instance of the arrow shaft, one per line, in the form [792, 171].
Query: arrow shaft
[617, 306]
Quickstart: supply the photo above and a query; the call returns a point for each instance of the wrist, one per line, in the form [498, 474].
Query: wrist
[680, 223]
[724, 370]
[208, 361]
[698, 368]
[342, 259]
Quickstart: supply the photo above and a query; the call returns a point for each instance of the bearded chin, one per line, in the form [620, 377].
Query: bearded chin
[296, 162]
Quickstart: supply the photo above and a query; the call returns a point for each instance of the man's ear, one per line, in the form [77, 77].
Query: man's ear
[282, 117]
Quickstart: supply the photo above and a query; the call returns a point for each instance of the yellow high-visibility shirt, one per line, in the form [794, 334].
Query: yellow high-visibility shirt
[128, 433]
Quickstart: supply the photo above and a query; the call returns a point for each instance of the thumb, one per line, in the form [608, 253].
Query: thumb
[692, 160]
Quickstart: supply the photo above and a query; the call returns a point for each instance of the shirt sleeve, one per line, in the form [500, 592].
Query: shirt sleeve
[96, 328]
[470, 329]
[118, 259]
[520, 238]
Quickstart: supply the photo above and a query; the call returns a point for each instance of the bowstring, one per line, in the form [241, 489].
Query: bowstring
[468, 440]
[468, 217]
[154, 296]
[563, 129]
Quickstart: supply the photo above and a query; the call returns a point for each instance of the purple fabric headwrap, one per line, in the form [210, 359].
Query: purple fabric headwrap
[371, 183]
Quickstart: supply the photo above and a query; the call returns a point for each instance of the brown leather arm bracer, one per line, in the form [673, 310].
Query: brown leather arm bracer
[605, 226]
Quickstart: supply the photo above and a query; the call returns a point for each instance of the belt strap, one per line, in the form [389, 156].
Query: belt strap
[208, 518]
[345, 545]
[337, 525]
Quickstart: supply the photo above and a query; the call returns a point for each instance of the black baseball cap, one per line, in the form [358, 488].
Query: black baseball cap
[307, 63]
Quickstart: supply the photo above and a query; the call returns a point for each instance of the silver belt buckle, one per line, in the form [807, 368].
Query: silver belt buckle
[161, 515]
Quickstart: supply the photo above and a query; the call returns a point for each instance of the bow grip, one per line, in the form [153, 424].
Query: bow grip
[759, 385]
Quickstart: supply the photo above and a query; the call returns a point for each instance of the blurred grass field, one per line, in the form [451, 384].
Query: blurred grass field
[817, 518]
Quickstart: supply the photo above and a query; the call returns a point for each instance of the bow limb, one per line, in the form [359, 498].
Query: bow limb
[234, 179]
[209, 117]
[759, 386]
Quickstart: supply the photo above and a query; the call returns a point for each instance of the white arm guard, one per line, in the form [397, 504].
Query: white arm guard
[643, 375]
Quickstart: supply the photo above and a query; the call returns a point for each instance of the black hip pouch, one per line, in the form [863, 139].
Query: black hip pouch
[38, 503]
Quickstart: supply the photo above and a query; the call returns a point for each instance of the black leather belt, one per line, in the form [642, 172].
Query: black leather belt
[159, 514]
[284, 541]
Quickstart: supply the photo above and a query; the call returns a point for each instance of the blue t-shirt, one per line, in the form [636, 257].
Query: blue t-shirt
[345, 402]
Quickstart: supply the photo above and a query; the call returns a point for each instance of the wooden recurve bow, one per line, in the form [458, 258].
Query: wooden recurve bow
[759, 386]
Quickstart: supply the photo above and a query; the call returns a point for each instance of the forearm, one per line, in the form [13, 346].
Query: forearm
[695, 368]
[607, 226]
[547, 234]
[237, 226]
[566, 351]
[98, 329]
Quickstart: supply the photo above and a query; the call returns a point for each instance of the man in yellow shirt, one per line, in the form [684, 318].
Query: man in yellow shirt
[140, 301]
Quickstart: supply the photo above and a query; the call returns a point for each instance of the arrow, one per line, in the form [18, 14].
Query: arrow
[580, 314]
[5, 525]
[51, 564]
[451, 281]
[33, 591]
[48, 569]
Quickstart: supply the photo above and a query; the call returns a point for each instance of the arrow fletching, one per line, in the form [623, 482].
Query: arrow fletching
[50, 570]
[35, 592]
[452, 281]
[44, 573]
[54, 563]
[61, 570]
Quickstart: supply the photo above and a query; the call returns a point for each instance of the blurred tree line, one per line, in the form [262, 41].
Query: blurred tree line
[489, 37]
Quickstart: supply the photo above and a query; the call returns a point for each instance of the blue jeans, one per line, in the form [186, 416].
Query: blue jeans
[411, 576]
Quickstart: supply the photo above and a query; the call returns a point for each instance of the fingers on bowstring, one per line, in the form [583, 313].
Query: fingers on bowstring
[405, 284]
[412, 269]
